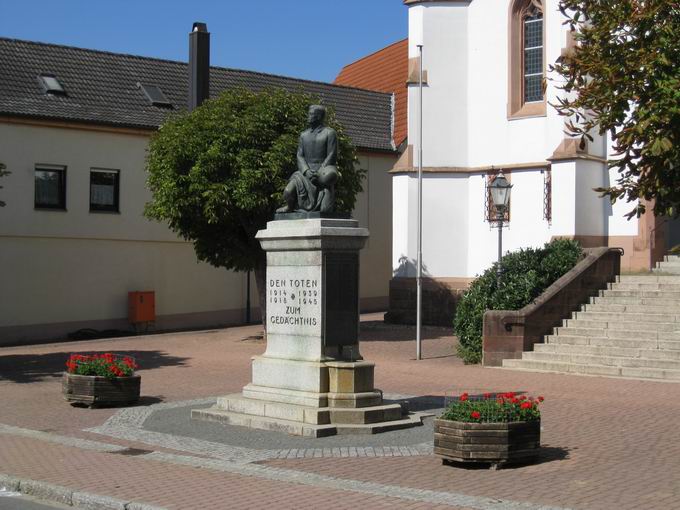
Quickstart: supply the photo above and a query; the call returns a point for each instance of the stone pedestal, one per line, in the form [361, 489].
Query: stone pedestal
[311, 380]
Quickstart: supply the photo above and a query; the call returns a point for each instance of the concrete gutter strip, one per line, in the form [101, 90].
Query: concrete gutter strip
[65, 496]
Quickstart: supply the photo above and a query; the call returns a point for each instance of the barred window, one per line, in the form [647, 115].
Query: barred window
[533, 56]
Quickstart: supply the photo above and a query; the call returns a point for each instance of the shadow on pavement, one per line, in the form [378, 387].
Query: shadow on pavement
[422, 403]
[28, 368]
[372, 331]
[545, 454]
[552, 453]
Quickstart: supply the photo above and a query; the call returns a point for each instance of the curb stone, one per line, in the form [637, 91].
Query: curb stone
[46, 491]
[9, 483]
[88, 501]
[64, 495]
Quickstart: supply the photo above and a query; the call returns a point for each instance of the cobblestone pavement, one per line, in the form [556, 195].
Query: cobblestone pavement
[608, 443]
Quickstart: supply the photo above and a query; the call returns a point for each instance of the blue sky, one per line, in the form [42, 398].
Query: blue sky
[309, 39]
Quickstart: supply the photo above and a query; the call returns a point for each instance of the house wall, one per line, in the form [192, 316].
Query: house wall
[373, 210]
[66, 270]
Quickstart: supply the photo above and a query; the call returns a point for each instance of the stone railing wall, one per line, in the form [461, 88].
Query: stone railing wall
[507, 333]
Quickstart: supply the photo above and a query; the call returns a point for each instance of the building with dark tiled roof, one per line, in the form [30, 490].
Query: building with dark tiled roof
[386, 70]
[74, 128]
[102, 88]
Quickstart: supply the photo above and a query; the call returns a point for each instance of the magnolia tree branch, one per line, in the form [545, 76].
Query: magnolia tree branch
[622, 79]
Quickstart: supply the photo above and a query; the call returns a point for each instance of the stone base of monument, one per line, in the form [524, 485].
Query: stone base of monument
[352, 406]
[306, 421]
[311, 380]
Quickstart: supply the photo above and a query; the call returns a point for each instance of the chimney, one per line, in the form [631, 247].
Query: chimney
[199, 65]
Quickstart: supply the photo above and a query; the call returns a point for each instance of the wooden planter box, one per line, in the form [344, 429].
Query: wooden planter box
[94, 390]
[493, 443]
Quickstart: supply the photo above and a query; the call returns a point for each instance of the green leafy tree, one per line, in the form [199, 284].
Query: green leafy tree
[3, 172]
[623, 77]
[217, 174]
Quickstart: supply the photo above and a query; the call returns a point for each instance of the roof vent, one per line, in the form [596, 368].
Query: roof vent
[51, 85]
[155, 95]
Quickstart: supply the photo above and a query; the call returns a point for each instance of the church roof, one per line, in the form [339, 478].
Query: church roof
[104, 88]
[385, 70]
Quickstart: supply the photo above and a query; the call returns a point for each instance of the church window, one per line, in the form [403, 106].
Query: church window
[526, 95]
[533, 56]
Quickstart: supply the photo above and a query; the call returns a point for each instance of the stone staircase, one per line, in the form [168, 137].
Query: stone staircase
[632, 329]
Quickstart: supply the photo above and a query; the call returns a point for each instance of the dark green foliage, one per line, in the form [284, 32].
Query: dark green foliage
[624, 73]
[3, 172]
[217, 174]
[526, 274]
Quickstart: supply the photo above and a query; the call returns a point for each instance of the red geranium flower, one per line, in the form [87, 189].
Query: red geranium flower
[540, 399]
[526, 405]
[475, 415]
[463, 397]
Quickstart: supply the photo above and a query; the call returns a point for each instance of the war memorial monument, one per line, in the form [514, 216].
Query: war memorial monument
[312, 380]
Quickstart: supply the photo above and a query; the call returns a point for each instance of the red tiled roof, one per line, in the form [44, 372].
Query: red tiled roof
[385, 70]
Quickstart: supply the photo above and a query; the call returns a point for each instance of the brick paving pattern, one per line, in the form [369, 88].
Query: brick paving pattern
[609, 443]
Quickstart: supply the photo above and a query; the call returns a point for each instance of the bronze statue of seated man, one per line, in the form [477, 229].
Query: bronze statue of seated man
[312, 186]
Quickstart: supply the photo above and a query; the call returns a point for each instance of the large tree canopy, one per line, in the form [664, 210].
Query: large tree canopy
[217, 174]
[623, 77]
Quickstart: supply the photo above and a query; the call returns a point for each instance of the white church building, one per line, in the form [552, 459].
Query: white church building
[487, 108]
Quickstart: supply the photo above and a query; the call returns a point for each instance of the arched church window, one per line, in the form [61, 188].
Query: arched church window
[533, 55]
[527, 59]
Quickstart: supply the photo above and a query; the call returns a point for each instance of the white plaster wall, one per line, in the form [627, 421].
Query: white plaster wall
[73, 265]
[527, 227]
[444, 238]
[618, 224]
[444, 35]
[592, 212]
[493, 138]
[23, 146]
[445, 232]
[53, 280]
[564, 198]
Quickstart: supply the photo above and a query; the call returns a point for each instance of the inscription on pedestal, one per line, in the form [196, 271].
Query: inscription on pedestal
[293, 301]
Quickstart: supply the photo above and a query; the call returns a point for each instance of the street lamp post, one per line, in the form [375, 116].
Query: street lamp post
[419, 269]
[500, 195]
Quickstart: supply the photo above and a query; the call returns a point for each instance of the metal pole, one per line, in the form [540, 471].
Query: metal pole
[248, 298]
[419, 277]
[500, 247]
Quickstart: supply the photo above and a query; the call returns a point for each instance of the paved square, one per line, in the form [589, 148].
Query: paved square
[608, 443]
